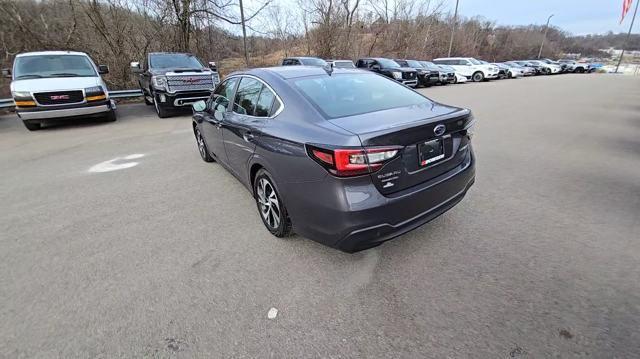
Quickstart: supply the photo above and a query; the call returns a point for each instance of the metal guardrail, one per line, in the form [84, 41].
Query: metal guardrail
[6, 103]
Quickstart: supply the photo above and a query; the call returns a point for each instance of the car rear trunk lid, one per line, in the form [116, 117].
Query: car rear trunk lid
[417, 129]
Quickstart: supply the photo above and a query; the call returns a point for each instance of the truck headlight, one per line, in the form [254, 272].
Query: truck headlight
[215, 78]
[159, 82]
[396, 75]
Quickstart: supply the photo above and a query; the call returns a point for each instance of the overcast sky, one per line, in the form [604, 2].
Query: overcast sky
[576, 16]
[579, 17]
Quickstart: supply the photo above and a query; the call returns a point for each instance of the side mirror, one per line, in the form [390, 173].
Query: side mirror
[213, 66]
[135, 67]
[6, 73]
[103, 69]
[199, 106]
[376, 67]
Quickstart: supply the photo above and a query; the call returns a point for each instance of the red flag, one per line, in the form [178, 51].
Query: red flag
[626, 5]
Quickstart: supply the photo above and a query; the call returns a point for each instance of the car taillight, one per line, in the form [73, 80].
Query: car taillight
[352, 161]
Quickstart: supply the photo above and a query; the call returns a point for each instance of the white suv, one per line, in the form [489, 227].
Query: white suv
[470, 68]
[58, 84]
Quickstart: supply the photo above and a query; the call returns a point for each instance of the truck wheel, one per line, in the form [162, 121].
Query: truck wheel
[148, 100]
[477, 76]
[110, 116]
[31, 126]
[161, 111]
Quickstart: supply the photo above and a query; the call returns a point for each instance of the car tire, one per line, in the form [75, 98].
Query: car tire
[477, 76]
[270, 205]
[202, 146]
[110, 116]
[161, 111]
[31, 125]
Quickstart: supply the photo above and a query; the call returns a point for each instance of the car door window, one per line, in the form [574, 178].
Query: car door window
[220, 98]
[247, 96]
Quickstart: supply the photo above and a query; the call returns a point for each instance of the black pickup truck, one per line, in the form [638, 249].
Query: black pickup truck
[171, 80]
[390, 68]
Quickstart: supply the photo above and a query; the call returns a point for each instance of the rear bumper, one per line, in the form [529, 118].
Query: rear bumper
[86, 109]
[355, 216]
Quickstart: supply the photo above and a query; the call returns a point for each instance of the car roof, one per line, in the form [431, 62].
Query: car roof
[301, 57]
[41, 53]
[290, 72]
[339, 61]
[170, 53]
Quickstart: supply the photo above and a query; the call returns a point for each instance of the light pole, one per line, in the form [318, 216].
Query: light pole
[545, 35]
[453, 28]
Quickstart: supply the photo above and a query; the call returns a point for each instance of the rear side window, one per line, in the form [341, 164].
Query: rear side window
[351, 94]
[265, 102]
[253, 98]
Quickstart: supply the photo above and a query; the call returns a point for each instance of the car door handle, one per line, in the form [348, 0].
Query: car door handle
[248, 136]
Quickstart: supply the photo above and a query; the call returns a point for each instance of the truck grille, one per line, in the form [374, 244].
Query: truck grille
[190, 82]
[408, 75]
[59, 97]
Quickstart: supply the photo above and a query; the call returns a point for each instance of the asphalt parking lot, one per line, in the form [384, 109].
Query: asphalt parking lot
[167, 256]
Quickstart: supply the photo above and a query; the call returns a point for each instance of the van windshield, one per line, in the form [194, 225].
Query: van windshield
[39, 66]
[343, 95]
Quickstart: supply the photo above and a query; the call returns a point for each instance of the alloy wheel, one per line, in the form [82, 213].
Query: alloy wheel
[269, 203]
[201, 146]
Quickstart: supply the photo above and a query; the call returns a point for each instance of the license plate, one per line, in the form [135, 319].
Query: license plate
[430, 152]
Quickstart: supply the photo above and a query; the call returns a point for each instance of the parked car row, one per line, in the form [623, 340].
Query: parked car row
[443, 71]
[170, 81]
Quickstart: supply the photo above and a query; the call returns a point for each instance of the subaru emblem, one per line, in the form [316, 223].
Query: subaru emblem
[439, 130]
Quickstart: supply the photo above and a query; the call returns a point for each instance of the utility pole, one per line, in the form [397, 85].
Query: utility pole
[244, 35]
[545, 35]
[628, 35]
[453, 28]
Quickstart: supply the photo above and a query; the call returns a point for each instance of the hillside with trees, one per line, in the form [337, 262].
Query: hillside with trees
[115, 32]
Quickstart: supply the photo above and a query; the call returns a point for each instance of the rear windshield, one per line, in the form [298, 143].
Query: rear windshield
[343, 95]
[312, 61]
[344, 64]
[172, 61]
[38, 66]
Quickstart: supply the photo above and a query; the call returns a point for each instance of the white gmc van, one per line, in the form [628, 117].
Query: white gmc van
[58, 84]
[470, 68]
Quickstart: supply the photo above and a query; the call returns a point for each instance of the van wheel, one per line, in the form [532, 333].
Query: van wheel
[111, 116]
[31, 126]
[477, 76]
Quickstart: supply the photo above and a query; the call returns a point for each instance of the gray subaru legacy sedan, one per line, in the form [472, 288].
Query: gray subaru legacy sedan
[344, 157]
